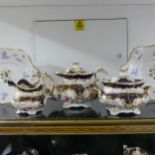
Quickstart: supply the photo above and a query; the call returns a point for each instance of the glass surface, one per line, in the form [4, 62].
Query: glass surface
[54, 110]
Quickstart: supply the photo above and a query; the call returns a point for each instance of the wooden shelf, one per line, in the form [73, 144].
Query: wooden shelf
[67, 127]
[58, 121]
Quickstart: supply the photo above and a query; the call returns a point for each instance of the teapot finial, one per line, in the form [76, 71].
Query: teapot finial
[76, 64]
[75, 67]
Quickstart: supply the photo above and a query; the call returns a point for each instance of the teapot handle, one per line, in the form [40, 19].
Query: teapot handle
[102, 70]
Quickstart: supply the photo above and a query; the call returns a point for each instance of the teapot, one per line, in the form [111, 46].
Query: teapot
[78, 86]
[30, 97]
[124, 94]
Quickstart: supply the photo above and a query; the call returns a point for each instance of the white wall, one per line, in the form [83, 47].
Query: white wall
[16, 22]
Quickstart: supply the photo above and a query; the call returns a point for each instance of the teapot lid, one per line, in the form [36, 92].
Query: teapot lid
[75, 72]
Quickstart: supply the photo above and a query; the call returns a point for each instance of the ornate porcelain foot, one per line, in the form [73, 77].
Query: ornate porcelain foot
[116, 111]
[28, 112]
[68, 105]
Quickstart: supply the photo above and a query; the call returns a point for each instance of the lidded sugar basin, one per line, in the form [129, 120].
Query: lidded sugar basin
[124, 94]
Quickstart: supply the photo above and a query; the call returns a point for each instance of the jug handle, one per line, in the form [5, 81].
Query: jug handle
[51, 89]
